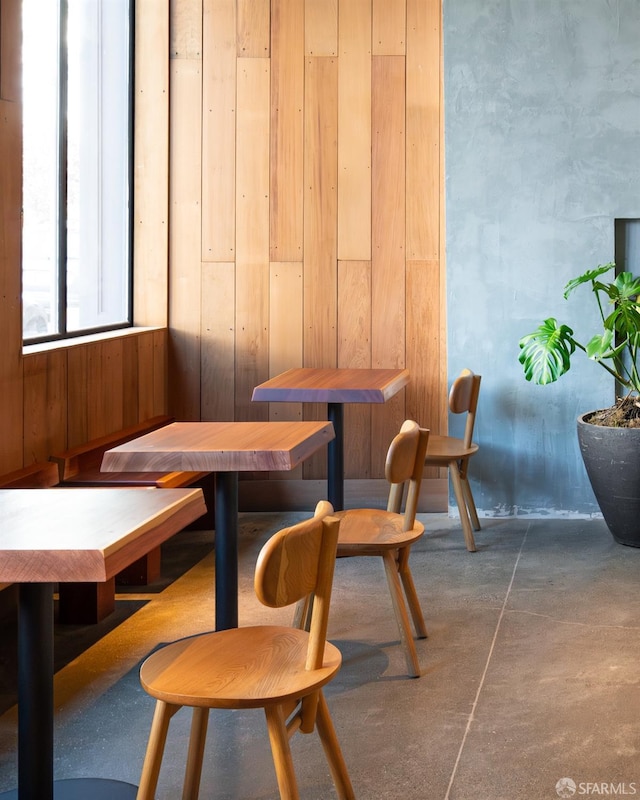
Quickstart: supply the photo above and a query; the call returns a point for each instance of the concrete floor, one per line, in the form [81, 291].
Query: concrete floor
[530, 675]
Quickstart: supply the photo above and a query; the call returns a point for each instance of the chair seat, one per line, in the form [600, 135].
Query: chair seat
[374, 530]
[238, 668]
[444, 448]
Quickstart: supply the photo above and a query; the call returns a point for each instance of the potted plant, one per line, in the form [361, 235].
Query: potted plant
[609, 438]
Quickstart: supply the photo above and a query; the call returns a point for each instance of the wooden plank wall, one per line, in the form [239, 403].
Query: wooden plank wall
[306, 207]
[288, 212]
[11, 419]
[55, 397]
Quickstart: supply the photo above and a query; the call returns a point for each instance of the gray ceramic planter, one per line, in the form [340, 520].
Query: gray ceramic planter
[612, 460]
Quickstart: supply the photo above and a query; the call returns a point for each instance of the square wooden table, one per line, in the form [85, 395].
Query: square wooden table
[334, 386]
[57, 535]
[225, 449]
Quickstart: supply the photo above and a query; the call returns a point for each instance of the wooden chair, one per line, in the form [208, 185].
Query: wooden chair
[280, 669]
[448, 451]
[390, 533]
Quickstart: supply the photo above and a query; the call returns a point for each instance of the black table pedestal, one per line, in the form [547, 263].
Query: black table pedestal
[226, 550]
[335, 457]
[85, 789]
[35, 710]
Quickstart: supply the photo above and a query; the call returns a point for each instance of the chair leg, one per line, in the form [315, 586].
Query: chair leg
[332, 750]
[410, 591]
[470, 504]
[193, 771]
[462, 506]
[402, 617]
[155, 750]
[282, 760]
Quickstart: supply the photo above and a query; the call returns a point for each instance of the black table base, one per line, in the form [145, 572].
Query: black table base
[226, 550]
[86, 789]
[335, 457]
[35, 710]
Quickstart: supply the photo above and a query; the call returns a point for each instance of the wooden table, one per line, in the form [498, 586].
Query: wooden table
[58, 535]
[334, 387]
[225, 449]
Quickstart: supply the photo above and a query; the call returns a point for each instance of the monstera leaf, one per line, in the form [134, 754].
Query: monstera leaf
[546, 353]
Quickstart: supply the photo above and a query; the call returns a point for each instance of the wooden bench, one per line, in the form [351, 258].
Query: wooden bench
[80, 466]
[88, 603]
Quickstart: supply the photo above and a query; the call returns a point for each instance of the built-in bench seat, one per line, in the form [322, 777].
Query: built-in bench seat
[88, 603]
[80, 467]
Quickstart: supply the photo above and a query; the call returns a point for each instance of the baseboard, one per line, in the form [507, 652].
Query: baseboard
[302, 495]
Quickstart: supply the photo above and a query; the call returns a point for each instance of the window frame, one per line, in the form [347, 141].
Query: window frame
[62, 333]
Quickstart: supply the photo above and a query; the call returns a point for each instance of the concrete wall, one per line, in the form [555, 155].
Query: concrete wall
[542, 133]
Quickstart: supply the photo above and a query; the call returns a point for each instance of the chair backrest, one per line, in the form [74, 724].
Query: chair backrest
[297, 562]
[464, 397]
[403, 469]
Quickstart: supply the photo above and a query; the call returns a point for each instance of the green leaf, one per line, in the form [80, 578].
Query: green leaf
[546, 353]
[588, 277]
[625, 318]
[601, 346]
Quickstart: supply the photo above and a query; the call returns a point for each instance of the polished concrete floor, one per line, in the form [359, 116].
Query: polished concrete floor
[531, 674]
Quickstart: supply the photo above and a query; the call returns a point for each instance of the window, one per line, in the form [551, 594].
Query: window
[77, 154]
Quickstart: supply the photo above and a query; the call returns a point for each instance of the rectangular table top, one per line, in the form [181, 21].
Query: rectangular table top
[332, 385]
[69, 534]
[220, 447]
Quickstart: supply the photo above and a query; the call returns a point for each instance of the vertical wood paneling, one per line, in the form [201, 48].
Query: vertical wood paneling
[388, 239]
[146, 381]
[354, 350]
[11, 419]
[129, 368]
[130, 380]
[285, 329]
[160, 374]
[151, 164]
[186, 29]
[285, 337]
[105, 381]
[184, 249]
[321, 27]
[254, 17]
[218, 340]
[426, 398]
[354, 124]
[388, 212]
[287, 102]
[45, 407]
[218, 130]
[252, 235]
[320, 229]
[389, 28]
[11, 378]
[423, 129]
[77, 396]
[252, 347]
[10, 38]
[320, 213]
[252, 145]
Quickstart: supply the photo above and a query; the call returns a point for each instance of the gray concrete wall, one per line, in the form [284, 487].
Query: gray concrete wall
[542, 135]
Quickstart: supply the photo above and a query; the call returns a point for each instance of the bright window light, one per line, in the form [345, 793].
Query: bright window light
[76, 252]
